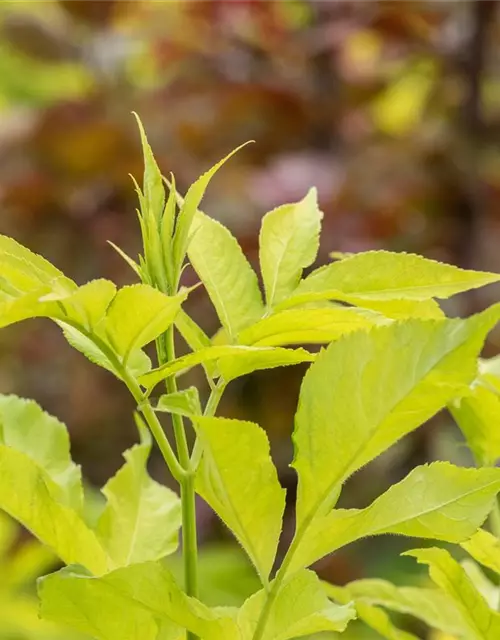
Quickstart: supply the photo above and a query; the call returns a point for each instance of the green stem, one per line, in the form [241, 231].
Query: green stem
[188, 495]
[210, 409]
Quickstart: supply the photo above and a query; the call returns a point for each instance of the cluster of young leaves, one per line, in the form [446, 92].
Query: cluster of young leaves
[393, 361]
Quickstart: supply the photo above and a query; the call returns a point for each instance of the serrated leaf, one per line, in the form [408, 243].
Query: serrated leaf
[185, 403]
[44, 514]
[369, 389]
[237, 478]
[429, 605]
[304, 326]
[195, 338]
[25, 427]
[226, 274]
[478, 415]
[234, 360]
[232, 367]
[138, 602]
[480, 622]
[289, 242]
[437, 501]
[301, 608]
[154, 192]
[138, 315]
[130, 261]
[485, 548]
[141, 519]
[383, 275]
[88, 304]
[402, 309]
[189, 209]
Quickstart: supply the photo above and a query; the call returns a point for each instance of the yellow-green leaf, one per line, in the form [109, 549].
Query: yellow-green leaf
[237, 478]
[289, 242]
[485, 548]
[226, 274]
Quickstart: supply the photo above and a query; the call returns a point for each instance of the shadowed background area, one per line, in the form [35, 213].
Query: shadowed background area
[391, 109]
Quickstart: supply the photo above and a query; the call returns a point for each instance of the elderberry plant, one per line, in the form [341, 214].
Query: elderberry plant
[392, 360]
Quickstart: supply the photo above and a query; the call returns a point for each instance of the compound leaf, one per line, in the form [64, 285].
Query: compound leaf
[301, 608]
[237, 478]
[480, 622]
[141, 519]
[133, 603]
[226, 274]
[436, 501]
[289, 242]
[369, 389]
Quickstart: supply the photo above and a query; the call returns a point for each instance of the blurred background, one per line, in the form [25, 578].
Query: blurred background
[391, 108]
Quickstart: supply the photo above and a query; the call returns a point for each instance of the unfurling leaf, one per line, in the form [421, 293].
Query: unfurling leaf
[185, 402]
[237, 478]
[301, 608]
[289, 242]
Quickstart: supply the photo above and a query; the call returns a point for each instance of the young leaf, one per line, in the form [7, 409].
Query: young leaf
[402, 309]
[480, 622]
[306, 326]
[485, 548]
[369, 389]
[239, 481]
[226, 274]
[478, 414]
[382, 275]
[154, 192]
[131, 603]
[437, 501]
[301, 608]
[189, 209]
[289, 242]
[24, 426]
[233, 360]
[142, 518]
[137, 315]
[431, 606]
[185, 403]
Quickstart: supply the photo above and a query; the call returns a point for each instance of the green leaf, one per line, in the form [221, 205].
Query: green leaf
[429, 605]
[289, 242]
[485, 548]
[305, 326]
[301, 608]
[88, 304]
[232, 367]
[383, 275]
[185, 403]
[189, 210]
[402, 309]
[478, 415]
[24, 426]
[489, 370]
[139, 602]
[154, 192]
[369, 389]
[226, 274]
[480, 622]
[237, 478]
[44, 513]
[130, 261]
[437, 501]
[138, 315]
[142, 518]
[233, 360]
[486, 588]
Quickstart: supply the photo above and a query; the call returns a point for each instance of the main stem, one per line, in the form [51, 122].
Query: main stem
[188, 496]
